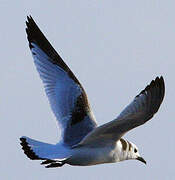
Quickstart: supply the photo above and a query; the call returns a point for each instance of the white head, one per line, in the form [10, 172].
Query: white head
[130, 151]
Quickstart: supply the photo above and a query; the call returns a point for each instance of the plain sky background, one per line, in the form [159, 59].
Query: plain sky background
[115, 48]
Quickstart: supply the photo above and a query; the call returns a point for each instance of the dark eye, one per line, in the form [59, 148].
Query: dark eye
[135, 150]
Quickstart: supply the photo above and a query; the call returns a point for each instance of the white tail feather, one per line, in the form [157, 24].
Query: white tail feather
[37, 150]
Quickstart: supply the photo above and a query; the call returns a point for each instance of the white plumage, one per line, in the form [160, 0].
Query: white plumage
[83, 143]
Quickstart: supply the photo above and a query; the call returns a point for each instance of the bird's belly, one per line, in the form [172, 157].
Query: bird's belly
[91, 156]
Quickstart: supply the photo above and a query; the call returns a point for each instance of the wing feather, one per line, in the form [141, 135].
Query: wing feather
[66, 95]
[138, 112]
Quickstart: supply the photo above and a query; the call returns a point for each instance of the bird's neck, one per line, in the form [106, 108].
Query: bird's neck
[122, 150]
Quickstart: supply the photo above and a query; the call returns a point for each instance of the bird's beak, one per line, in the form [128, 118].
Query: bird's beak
[141, 159]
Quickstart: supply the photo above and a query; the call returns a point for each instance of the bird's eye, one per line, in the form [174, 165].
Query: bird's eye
[135, 150]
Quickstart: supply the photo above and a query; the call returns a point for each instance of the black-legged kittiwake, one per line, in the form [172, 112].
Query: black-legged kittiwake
[82, 142]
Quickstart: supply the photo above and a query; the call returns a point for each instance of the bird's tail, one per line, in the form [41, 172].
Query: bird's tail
[52, 155]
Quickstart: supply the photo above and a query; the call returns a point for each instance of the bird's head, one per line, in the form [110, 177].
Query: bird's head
[133, 153]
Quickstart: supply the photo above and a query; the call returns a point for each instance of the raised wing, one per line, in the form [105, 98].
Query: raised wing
[141, 109]
[67, 97]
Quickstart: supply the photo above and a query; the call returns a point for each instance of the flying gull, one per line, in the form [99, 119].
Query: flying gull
[83, 143]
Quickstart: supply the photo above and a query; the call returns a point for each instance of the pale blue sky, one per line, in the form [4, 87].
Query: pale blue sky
[115, 48]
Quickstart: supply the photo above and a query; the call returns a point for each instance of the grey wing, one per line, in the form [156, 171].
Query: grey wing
[66, 95]
[139, 111]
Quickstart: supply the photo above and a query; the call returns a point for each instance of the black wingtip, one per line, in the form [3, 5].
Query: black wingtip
[27, 150]
[29, 18]
[155, 93]
[35, 36]
[157, 81]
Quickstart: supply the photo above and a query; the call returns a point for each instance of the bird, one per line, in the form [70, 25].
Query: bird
[82, 141]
